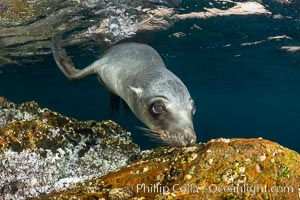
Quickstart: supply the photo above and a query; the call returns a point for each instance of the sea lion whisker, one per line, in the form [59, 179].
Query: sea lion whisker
[152, 132]
[149, 131]
[155, 135]
[146, 129]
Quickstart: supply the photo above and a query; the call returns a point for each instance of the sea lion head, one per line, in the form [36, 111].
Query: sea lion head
[167, 108]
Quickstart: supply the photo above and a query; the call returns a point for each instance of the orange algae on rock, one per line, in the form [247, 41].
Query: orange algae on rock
[221, 169]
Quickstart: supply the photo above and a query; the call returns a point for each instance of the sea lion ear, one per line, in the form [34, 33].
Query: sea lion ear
[137, 91]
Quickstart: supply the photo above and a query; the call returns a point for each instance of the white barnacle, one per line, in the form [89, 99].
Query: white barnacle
[261, 157]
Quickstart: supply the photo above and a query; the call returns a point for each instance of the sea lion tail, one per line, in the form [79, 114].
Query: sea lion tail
[65, 64]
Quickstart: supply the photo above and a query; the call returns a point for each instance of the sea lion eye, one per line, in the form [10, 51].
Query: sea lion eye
[158, 108]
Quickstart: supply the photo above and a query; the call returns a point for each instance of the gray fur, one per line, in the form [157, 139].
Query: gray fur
[136, 73]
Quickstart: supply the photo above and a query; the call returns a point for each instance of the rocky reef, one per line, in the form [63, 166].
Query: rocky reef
[42, 151]
[45, 155]
[220, 169]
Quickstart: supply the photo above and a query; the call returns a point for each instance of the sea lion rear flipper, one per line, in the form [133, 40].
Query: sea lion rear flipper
[65, 64]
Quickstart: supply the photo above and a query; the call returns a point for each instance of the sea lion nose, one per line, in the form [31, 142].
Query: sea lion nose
[190, 136]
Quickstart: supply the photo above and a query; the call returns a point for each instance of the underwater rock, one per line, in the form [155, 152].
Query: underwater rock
[42, 151]
[26, 26]
[220, 169]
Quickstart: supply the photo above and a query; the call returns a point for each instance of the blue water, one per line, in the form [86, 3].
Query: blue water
[240, 91]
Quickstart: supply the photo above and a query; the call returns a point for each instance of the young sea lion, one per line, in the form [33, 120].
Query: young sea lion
[136, 73]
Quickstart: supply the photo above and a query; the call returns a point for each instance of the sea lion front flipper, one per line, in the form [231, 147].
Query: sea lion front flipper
[65, 64]
[115, 101]
[126, 108]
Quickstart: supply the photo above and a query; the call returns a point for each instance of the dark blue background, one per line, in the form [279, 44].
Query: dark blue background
[240, 91]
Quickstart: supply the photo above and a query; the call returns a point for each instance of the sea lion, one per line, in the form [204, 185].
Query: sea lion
[136, 73]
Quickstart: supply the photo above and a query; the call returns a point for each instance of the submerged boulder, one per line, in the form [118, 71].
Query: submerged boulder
[220, 169]
[42, 151]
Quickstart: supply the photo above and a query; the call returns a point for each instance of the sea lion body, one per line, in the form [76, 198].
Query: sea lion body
[136, 73]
